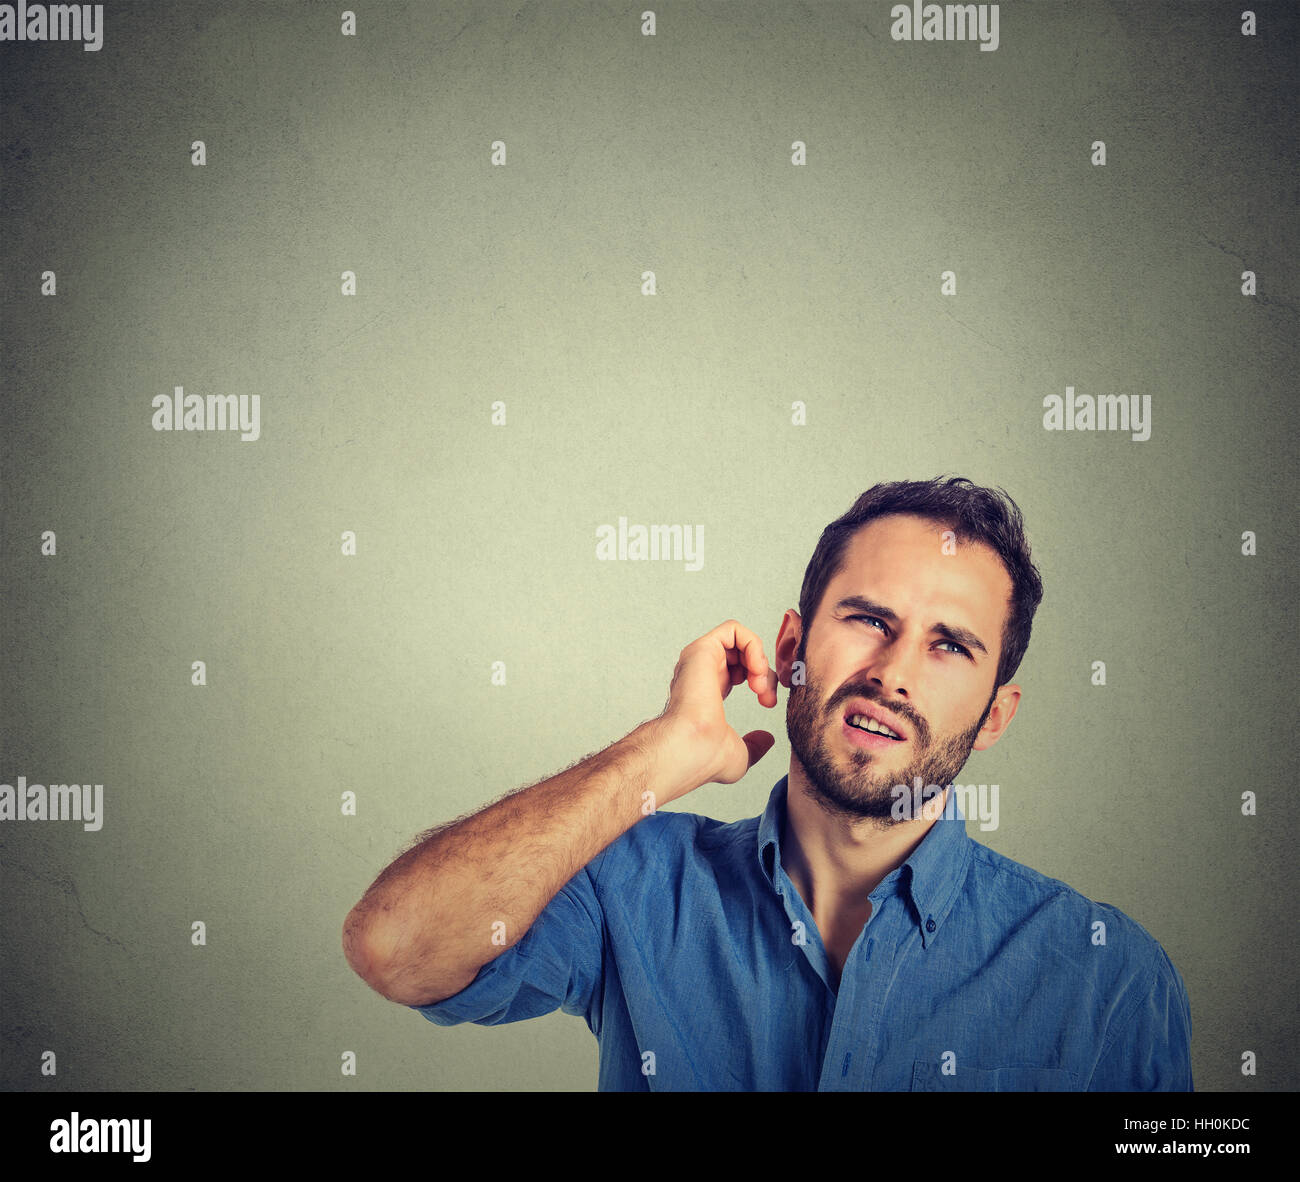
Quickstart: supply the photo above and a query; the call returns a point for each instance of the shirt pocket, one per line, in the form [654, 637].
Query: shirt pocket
[928, 1076]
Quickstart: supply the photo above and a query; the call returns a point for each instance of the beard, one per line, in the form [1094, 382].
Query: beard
[851, 785]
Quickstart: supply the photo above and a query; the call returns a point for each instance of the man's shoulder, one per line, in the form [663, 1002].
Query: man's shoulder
[1018, 897]
[671, 841]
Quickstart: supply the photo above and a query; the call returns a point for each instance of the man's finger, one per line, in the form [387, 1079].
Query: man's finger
[758, 744]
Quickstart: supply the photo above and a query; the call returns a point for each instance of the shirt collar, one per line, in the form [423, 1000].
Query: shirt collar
[931, 878]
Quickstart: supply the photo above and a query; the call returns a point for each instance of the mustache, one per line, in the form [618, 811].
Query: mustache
[871, 694]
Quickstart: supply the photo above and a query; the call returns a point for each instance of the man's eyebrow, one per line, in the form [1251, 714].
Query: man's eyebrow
[953, 632]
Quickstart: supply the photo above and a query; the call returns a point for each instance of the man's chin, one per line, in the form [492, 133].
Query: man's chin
[868, 801]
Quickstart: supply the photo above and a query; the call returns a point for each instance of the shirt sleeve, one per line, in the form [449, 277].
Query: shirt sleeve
[556, 965]
[1151, 1050]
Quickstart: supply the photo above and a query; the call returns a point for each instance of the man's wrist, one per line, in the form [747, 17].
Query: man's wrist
[672, 752]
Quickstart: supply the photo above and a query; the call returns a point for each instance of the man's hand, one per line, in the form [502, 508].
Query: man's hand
[706, 672]
[417, 935]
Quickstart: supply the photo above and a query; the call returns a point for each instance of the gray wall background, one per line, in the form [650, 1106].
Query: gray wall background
[476, 543]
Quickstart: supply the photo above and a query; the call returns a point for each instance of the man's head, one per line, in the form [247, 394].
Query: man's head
[917, 605]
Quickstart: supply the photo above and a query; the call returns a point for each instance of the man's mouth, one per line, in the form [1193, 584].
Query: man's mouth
[866, 732]
[863, 722]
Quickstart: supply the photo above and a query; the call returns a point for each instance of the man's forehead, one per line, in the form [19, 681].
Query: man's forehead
[906, 555]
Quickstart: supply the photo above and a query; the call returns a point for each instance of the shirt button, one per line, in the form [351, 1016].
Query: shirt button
[930, 925]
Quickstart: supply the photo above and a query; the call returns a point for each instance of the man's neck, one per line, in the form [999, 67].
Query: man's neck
[835, 862]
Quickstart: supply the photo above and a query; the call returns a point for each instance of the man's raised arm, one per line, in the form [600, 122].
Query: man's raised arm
[423, 930]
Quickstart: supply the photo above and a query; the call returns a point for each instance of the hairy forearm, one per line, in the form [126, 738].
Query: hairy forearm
[427, 924]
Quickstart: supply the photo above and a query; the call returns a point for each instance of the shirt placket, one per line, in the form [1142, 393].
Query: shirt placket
[852, 1051]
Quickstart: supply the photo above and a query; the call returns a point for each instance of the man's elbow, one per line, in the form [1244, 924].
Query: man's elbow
[369, 952]
[360, 949]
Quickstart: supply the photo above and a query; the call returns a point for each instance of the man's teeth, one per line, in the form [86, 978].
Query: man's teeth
[862, 722]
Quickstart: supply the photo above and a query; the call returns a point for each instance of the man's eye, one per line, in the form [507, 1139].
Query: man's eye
[960, 648]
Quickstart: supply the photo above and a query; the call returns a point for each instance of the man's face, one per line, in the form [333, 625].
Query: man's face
[915, 657]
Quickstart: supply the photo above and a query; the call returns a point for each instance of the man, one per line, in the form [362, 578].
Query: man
[853, 937]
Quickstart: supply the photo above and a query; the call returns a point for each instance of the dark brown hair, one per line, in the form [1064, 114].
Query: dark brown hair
[974, 514]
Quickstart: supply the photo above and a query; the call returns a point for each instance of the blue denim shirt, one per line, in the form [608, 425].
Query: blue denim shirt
[697, 966]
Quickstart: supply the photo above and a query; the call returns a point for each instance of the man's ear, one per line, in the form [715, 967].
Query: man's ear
[787, 646]
[1001, 713]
